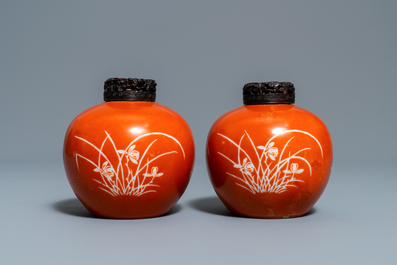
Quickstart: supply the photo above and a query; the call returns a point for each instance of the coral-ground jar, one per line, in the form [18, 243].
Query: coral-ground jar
[129, 157]
[269, 158]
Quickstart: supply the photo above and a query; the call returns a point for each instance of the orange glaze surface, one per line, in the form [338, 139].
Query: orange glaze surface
[128, 159]
[269, 161]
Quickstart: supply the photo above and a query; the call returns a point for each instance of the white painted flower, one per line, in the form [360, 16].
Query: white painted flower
[122, 174]
[132, 155]
[246, 167]
[272, 152]
[269, 150]
[107, 170]
[294, 169]
[154, 173]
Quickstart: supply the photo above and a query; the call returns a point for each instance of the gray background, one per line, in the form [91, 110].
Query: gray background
[341, 56]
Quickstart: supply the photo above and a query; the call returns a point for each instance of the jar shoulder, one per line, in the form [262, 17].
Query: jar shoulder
[126, 114]
[266, 113]
[253, 117]
[127, 108]
[114, 111]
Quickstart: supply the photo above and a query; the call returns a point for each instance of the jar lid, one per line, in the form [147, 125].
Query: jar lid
[129, 89]
[269, 93]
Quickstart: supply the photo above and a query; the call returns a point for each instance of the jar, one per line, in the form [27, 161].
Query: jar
[269, 158]
[128, 157]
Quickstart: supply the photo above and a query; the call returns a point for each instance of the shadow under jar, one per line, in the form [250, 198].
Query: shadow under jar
[269, 158]
[129, 157]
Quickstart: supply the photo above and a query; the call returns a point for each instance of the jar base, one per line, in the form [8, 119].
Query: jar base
[125, 214]
[260, 216]
[127, 217]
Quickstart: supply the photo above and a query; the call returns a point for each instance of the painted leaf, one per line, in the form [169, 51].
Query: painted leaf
[269, 175]
[131, 148]
[127, 180]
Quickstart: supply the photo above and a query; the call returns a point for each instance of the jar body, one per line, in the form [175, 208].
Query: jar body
[128, 159]
[269, 161]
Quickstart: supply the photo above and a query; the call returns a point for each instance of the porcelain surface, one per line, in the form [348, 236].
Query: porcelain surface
[129, 159]
[269, 161]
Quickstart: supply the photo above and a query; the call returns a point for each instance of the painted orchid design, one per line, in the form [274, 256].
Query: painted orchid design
[118, 175]
[132, 155]
[294, 169]
[263, 173]
[107, 170]
[269, 150]
[246, 167]
[154, 173]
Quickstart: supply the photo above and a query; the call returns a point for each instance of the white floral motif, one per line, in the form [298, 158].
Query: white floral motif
[268, 174]
[132, 155]
[269, 151]
[107, 170]
[294, 169]
[246, 167]
[154, 173]
[130, 176]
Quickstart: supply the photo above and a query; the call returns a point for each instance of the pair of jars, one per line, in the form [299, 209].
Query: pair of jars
[130, 157]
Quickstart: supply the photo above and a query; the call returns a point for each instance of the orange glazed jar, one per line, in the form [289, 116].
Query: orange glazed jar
[269, 158]
[129, 157]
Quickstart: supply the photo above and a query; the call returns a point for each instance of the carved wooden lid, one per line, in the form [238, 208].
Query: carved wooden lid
[129, 89]
[269, 93]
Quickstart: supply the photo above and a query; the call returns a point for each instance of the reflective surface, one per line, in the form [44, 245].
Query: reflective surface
[269, 161]
[128, 159]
